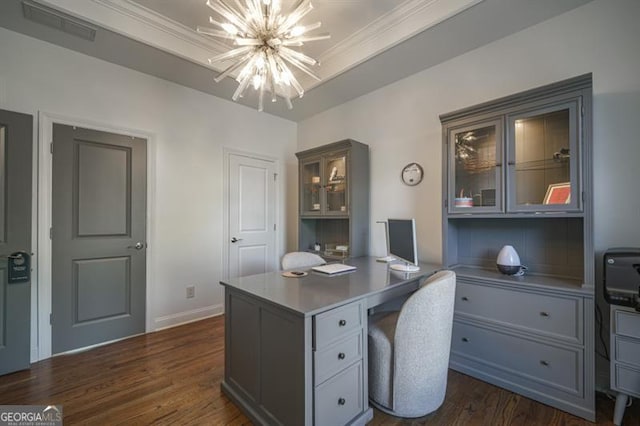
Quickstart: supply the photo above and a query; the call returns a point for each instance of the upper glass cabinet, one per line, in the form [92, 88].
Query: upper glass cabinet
[543, 172]
[475, 162]
[324, 186]
[526, 160]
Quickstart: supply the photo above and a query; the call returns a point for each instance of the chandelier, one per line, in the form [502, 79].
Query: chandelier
[266, 39]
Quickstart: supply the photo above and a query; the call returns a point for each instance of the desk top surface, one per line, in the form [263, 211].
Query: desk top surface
[317, 292]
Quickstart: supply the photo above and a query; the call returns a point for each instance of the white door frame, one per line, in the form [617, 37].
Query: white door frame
[44, 214]
[227, 152]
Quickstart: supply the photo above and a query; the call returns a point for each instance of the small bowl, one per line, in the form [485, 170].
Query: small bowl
[463, 202]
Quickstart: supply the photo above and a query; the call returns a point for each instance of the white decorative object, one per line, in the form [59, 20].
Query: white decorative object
[334, 174]
[266, 39]
[508, 261]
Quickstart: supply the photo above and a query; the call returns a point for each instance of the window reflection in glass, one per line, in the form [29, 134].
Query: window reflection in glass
[311, 187]
[475, 176]
[542, 167]
[336, 185]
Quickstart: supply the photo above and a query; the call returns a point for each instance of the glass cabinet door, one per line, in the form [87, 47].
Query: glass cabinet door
[543, 172]
[335, 186]
[475, 167]
[311, 186]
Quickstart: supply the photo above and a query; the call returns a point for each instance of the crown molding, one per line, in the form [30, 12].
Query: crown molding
[139, 23]
[408, 19]
[132, 20]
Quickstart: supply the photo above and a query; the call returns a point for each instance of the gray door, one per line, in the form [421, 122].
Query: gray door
[98, 237]
[16, 140]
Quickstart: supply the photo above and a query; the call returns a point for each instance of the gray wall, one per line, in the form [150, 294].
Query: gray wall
[188, 131]
[400, 121]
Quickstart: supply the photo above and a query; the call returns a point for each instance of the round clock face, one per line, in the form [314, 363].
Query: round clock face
[412, 174]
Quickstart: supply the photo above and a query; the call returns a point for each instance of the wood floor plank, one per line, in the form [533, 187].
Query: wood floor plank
[173, 377]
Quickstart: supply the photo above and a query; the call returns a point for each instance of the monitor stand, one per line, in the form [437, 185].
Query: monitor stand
[404, 267]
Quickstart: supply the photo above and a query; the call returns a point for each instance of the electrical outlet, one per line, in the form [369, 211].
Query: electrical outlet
[191, 292]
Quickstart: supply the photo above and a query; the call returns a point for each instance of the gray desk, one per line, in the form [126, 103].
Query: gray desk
[296, 348]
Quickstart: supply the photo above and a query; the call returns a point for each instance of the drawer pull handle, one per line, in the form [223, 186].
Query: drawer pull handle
[465, 298]
[341, 355]
[544, 314]
[464, 339]
[545, 363]
[342, 401]
[342, 323]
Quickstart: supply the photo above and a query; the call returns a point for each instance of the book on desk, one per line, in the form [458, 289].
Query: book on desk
[333, 268]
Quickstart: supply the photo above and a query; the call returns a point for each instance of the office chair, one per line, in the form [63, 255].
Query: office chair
[301, 259]
[409, 350]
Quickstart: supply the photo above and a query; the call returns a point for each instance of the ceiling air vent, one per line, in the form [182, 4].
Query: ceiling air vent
[55, 19]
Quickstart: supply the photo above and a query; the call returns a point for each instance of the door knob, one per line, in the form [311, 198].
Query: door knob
[138, 246]
[14, 256]
[235, 240]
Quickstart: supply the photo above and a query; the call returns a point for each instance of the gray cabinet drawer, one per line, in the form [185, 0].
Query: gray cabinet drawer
[627, 380]
[336, 323]
[556, 316]
[337, 356]
[553, 366]
[340, 399]
[627, 324]
[628, 351]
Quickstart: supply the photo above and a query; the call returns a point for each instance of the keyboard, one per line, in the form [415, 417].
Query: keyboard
[333, 268]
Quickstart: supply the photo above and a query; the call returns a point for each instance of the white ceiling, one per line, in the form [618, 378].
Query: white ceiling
[359, 29]
[373, 42]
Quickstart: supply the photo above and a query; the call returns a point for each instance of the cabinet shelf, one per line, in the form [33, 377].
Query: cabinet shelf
[547, 164]
[527, 280]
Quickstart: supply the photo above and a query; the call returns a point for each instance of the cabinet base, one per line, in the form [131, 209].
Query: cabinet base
[258, 418]
[251, 412]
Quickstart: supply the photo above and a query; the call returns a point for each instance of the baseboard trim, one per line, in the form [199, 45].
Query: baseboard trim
[186, 317]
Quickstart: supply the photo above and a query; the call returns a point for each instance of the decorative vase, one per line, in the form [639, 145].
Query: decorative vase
[508, 261]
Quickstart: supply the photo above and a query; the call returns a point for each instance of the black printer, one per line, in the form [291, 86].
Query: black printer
[622, 276]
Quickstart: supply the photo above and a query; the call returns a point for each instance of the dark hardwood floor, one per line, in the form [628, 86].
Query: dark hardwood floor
[173, 377]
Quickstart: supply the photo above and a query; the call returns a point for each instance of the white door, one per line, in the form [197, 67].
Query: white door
[252, 217]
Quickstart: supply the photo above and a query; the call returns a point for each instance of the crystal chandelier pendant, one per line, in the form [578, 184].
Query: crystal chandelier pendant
[266, 40]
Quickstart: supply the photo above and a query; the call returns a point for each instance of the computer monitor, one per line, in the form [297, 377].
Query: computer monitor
[401, 237]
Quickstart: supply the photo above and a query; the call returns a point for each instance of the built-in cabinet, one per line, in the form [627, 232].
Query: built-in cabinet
[334, 199]
[523, 161]
[517, 171]
[625, 357]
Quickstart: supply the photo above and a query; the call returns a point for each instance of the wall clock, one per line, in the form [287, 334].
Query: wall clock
[412, 174]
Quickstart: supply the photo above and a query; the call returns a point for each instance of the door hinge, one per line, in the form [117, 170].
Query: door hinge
[51, 319]
[274, 226]
[51, 233]
[275, 176]
[51, 147]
